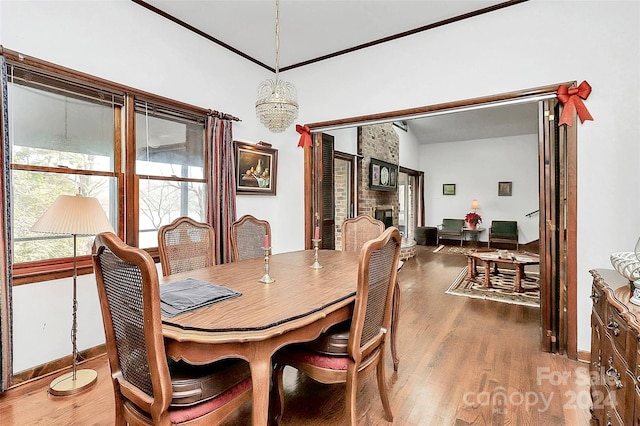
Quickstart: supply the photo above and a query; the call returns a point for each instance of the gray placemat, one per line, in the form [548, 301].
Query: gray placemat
[187, 295]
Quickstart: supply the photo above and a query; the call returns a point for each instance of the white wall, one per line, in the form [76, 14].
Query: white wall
[523, 46]
[519, 47]
[123, 42]
[476, 167]
[409, 155]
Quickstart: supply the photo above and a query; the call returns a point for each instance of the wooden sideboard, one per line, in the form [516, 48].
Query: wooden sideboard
[615, 360]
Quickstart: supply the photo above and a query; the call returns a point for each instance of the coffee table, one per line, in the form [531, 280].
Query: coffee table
[493, 257]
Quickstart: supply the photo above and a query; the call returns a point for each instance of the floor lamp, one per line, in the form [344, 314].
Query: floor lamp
[75, 215]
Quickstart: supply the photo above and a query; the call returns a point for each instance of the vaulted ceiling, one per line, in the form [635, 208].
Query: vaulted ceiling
[312, 30]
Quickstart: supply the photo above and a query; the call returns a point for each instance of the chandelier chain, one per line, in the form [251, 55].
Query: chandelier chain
[277, 104]
[277, 38]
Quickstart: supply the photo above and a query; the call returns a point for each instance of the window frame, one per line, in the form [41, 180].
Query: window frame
[124, 164]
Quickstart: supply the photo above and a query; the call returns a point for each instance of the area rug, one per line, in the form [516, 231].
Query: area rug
[503, 287]
[450, 249]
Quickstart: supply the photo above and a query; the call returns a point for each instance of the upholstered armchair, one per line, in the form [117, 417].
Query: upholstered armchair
[504, 231]
[451, 229]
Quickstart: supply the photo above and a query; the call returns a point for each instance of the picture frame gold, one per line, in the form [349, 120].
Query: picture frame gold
[256, 167]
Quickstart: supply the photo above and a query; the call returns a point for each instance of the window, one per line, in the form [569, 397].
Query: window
[72, 133]
[63, 138]
[170, 164]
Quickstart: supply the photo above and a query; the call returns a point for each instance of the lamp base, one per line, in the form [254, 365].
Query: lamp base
[65, 385]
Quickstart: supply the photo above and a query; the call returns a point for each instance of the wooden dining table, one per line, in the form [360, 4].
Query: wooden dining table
[300, 304]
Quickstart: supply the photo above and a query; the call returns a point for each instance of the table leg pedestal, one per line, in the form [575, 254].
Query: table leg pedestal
[487, 274]
[473, 272]
[261, 379]
[519, 275]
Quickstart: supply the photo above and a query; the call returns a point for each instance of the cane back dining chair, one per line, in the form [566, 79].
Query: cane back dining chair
[377, 270]
[185, 245]
[149, 388]
[355, 232]
[247, 237]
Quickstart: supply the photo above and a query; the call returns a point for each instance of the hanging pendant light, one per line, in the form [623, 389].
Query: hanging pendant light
[277, 104]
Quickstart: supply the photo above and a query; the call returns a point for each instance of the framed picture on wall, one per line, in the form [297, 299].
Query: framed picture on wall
[448, 189]
[256, 168]
[383, 176]
[504, 189]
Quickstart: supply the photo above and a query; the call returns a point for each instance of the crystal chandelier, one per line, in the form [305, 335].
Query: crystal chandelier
[277, 104]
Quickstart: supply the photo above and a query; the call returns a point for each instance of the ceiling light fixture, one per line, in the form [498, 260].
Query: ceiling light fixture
[277, 104]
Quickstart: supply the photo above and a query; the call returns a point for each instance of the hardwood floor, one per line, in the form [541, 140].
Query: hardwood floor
[462, 362]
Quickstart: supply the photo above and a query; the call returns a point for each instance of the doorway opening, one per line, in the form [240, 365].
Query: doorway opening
[557, 201]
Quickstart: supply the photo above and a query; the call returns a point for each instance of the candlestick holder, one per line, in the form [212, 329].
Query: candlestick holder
[266, 278]
[316, 264]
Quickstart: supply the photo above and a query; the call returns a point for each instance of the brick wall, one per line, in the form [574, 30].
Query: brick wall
[341, 177]
[379, 141]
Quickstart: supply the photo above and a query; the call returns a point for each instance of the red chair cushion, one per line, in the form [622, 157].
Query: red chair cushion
[185, 414]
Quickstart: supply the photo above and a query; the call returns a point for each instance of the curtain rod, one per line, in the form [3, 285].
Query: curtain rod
[222, 115]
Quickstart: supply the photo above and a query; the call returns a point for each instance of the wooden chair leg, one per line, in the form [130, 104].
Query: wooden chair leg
[395, 318]
[382, 389]
[276, 396]
[350, 395]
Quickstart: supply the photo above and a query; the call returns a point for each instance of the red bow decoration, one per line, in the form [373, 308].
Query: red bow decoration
[305, 136]
[572, 98]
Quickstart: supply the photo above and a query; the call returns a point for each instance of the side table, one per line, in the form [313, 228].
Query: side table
[474, 234]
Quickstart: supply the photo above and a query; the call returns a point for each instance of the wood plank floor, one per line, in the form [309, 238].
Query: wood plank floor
[462, 362]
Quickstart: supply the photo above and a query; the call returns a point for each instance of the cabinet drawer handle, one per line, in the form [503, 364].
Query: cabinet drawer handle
[613, 326]
[595, 297]
[613, 373]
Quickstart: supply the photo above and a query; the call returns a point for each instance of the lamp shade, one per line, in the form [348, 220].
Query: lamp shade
[74, 214]
[475, 204]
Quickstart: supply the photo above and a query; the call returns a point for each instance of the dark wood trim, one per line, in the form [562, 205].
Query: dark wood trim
[130, 179]
[422, 209]
[119, 169]
[58, 365]
[352, 159]
[572, 241]
[202, 33]
[405, 33]
[47, 270]
[28, 61]
[30, 168]
[411, 112]
[309, 192]
[571, 225]
[334, 54]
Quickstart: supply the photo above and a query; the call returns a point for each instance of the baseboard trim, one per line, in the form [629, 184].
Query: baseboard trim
[56, 366]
